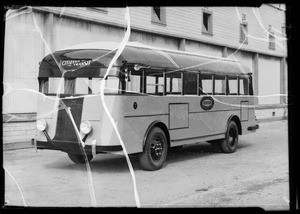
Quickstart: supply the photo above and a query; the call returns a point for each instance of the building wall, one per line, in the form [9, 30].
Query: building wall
[31, 36]
[186, 22]
[269, 80]
[23, 50]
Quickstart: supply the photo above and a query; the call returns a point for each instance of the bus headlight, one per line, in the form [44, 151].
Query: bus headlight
[85, 127]
[41, 124]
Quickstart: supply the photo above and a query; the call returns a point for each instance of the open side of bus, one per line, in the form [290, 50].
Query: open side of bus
[156, 99]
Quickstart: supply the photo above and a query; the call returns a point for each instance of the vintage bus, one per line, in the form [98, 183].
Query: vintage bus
[159, 99]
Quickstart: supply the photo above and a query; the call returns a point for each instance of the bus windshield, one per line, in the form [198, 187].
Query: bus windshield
[79, 85]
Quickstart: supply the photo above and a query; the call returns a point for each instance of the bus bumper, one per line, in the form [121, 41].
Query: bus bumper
[74, 147]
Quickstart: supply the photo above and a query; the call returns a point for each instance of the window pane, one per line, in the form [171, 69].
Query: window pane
[190, 83]
[174, 83]
[176, 86]
[233, 86]
[82, 86]
[161, 84]
[244, 86]
[112, 85]
[54, 84]
[207, 22]
[207, 84]
[134, 84]
[96, 83]
[154, 83]
[220, 85]
[150, 85]
[244, 33]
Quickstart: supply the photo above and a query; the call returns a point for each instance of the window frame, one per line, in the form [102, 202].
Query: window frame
[98, 9]
[243, 36]
[272, 42]
[209, 31]
[162, 19]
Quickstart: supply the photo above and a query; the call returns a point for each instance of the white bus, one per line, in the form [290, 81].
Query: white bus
[159, 99]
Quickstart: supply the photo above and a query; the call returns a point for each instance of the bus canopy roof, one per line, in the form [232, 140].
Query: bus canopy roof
[86, 60]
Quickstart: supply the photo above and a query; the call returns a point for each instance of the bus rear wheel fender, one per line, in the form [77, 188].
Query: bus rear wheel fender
[155, 150]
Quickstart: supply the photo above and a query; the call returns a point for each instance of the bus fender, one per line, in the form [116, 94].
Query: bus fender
[237, 120]
[159, 124]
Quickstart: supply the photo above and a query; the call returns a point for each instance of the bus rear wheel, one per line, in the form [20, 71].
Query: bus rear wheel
[229, 144]
[155, 150]
[79, 158]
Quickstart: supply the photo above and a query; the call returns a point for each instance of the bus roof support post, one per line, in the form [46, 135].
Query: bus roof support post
[165, 83]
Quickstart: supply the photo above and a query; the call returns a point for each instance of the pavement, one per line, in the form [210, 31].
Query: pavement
[256, 175]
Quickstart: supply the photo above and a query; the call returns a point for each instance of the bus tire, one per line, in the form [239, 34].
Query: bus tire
[155, 150]
[79, 158]
[229, 144]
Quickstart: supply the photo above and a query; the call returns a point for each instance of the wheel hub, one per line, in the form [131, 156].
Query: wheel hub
[156, 149]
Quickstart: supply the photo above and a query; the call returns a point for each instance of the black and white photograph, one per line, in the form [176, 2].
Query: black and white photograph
[146, 107]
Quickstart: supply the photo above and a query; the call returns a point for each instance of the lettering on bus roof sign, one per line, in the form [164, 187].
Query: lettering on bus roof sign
[207, 103]
[75, 63]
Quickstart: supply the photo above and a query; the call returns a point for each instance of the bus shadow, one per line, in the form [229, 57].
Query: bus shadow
[118, 164]
[198, 150]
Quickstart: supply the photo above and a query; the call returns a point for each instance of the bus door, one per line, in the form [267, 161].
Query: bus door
[178, 116]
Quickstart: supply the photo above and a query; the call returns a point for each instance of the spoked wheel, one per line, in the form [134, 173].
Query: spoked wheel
[155, 150]
[79, 158]
[229, 144]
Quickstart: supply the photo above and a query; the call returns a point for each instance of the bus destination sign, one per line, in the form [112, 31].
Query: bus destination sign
[75, 63]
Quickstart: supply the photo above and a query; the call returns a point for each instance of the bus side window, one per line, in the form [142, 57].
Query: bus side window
[220, 85]
[95, 85]
[207, 83]
[244, 85]
[69, 86]
[54, 85]
[43, 85]
[134, 85]
[154, 82]
[174, 83]
[190, 83]
[82, 86]
[233, 85]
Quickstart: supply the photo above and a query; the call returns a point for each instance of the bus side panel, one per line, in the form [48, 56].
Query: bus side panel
[203, 123]
[247, 113]
[139, 112]
[102, 127]
[132, 122]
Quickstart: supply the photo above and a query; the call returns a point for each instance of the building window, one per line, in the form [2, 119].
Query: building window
[271, 40]
[244, 33]
[98, 9]
[283, 30]
[159, 15]
[207, 22]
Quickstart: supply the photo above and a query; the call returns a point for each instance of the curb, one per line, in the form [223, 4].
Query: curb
[17, 145]
[271, 119]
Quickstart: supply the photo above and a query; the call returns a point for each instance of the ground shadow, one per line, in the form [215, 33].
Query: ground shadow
[118, 164]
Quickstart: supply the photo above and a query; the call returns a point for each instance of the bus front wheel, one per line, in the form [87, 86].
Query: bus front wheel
[229, 144]
[79, 158]
[155, 150]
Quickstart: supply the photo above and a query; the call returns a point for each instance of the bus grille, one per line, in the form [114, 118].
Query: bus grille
[64, 128]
